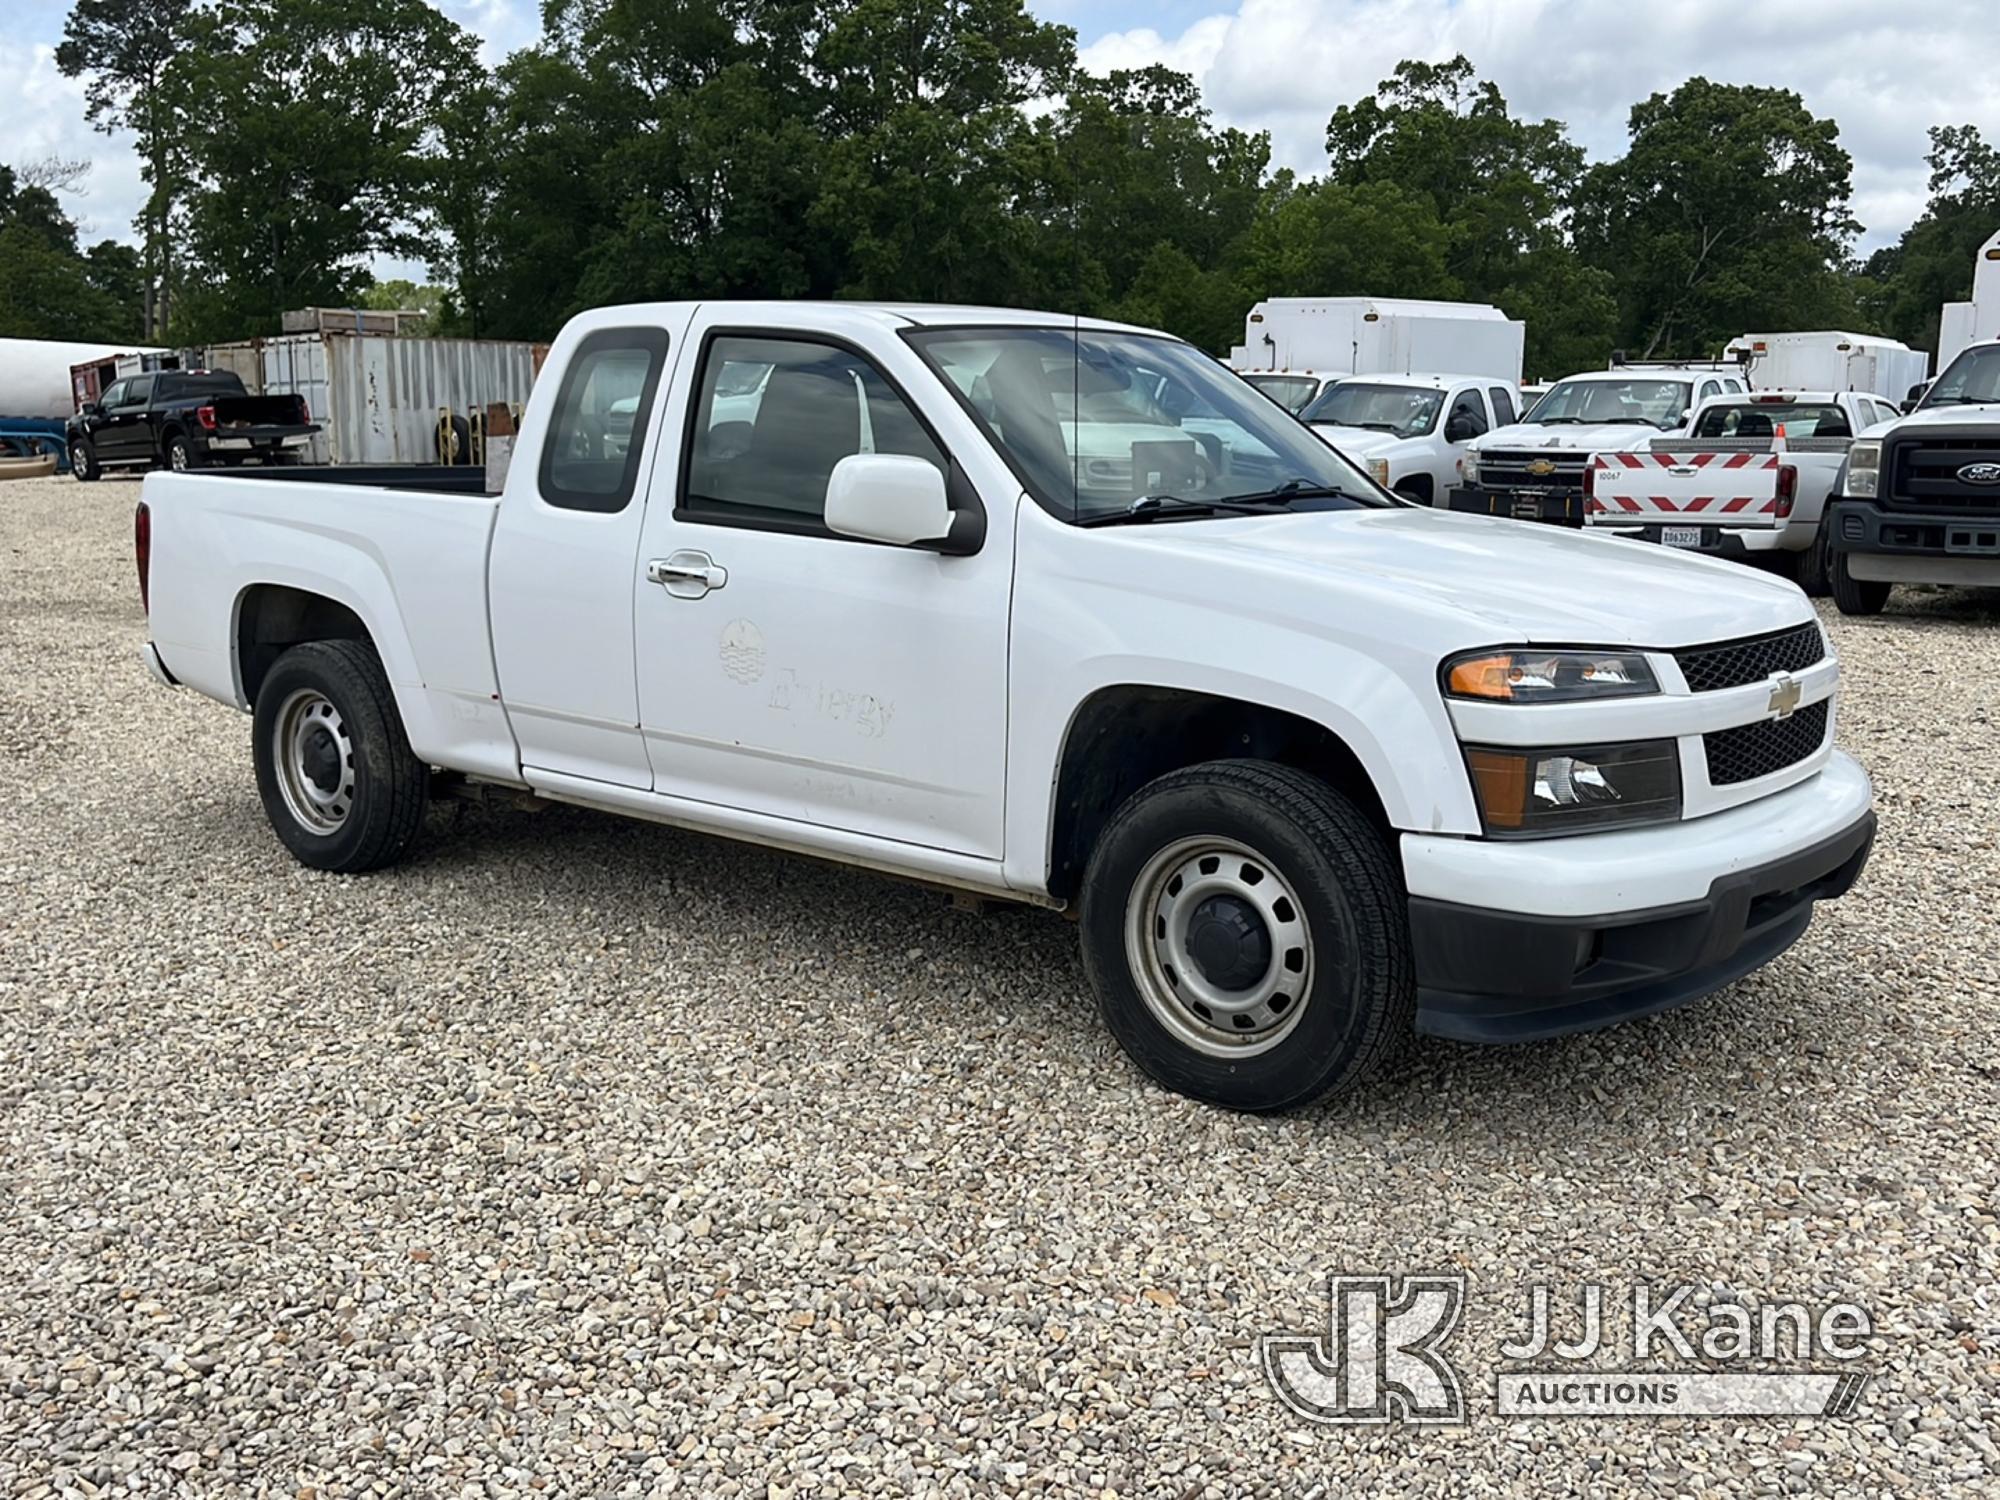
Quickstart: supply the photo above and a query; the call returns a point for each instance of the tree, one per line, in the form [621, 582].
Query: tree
[1906, 285]
[126, 49]
[1728, 212]
[1329, 239]
[312, 153]
[50, 290]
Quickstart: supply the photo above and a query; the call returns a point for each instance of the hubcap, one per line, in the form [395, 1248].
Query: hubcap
[1218, 946]
[315, 761]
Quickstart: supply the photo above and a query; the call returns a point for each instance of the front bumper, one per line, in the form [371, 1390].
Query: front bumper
[1906, 546]
[1558, 506]
[1678, 911]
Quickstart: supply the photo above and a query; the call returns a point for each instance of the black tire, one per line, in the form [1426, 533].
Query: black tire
[1809, 568]
[1855, 596]
[83, 461]
[1359, 1003]
[380, 784]
[178, 454]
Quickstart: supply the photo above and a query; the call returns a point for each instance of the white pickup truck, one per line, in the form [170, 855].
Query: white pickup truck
[1750, 478]
[1314, 768]
[1410, 431]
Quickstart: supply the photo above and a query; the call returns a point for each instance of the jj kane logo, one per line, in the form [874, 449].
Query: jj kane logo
[1382, 1356]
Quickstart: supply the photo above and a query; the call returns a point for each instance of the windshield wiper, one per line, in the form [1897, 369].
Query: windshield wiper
[1160, 507]
[1557, 421]
[1291, 489]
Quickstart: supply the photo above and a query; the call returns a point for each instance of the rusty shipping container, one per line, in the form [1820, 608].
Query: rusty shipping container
[377, 396]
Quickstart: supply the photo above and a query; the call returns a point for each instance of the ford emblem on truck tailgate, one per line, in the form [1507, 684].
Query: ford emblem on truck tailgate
[1980, 473]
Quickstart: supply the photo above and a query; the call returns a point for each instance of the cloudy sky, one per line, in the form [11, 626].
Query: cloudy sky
[1884, 72]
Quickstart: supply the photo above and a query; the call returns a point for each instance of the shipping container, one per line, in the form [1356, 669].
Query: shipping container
[377, 397]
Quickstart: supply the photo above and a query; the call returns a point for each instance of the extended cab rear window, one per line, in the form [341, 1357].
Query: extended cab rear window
[590, 454]
[181, 387]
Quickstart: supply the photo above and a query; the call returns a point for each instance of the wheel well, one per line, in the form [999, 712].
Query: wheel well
[1124, 737]
[1419, 485]
[271, 618]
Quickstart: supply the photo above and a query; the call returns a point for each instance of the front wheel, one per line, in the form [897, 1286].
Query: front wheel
[1810, 567]
[83, 461]
[340, 784]
[1855, 596]
[1247, 936]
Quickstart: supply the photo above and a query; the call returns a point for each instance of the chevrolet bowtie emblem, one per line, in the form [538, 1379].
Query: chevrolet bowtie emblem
[1541, 466]
[1784, 695]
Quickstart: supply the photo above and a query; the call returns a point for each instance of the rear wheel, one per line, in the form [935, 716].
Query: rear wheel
[1855, 596]
[83, 461]
[340, 785]
[1246, 934]
[180, 455]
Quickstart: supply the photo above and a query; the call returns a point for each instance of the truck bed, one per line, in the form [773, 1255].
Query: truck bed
[436, 479]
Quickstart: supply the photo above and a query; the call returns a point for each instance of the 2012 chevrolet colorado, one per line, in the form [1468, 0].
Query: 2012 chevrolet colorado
[950, 593]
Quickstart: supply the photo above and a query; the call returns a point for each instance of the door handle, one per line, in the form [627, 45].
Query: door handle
[686, 575]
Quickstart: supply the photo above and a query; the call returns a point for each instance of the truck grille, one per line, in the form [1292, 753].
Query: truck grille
[1751, 750]
[1923, 474]
[1710, 669]
[1507, 470]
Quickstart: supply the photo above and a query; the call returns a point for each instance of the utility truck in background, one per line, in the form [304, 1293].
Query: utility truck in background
[1410, 431]
[1963, 324]
[1314, 767]
[1749, 479]
[1829, 361]
[1292, 346]
[1534, 469]
[1919, 498]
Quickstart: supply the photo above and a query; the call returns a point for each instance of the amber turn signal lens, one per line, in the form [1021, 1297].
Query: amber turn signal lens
[1483, 677]
[1501, 781]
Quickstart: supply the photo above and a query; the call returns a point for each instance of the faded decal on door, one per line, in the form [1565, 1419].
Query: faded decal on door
[742, 650]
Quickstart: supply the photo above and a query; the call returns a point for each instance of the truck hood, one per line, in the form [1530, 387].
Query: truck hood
[1359, 442]
[1464, 581]
[1593, 437]
[1972, 414]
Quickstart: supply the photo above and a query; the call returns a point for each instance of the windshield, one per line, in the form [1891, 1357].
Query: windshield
[1406, 410]
[1290, 391]
[1094, 422]
[1656, 403]
[1762, 419]
[1973, 379]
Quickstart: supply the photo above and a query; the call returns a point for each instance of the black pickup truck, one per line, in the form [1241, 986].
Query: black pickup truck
[185, 419]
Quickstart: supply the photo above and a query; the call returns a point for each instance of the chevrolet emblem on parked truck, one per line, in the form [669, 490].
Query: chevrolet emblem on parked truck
[1541, 467]
[1784, 695]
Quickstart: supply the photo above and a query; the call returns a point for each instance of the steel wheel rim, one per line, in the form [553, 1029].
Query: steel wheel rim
[314, 756]
[79, 459]
[1160, 915]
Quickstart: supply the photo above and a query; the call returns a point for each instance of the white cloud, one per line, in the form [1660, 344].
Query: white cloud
[1282, 66]
[41, 115]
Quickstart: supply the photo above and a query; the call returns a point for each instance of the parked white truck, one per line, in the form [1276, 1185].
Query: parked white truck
[1750, 478]
[1293, 346]
[1533, 470]
[1829, 361]
[1411, 431]
[1314, 768]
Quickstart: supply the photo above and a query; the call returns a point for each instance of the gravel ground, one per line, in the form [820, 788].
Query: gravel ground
[581, 1156]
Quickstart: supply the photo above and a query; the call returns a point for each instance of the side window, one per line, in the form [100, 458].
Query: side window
[1467, 419]
[1503, 405]
[139, 391]
[113, 395]
[772, 416]
[590, 454]
[1708, 388]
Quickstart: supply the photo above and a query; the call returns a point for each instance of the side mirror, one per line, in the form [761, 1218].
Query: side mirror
[1460, 430]
[888, 497]
[92, 409]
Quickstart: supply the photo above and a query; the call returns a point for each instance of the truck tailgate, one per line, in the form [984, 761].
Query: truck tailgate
[1716, 488]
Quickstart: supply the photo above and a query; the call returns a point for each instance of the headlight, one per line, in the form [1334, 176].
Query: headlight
[1548, 676]
[1864, 470]
[1378, 470]
[1468, 467]
[1540, 793]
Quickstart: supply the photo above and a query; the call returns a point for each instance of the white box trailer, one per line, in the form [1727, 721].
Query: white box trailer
[1966, 323]
[377, 396]
[1380, 336]
[1828, 360]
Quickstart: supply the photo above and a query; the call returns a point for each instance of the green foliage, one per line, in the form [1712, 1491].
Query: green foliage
[1728, 212]
[1906, 284]
[49, 289]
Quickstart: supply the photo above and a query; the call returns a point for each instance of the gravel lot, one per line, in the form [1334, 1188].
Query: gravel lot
[585, 1157]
